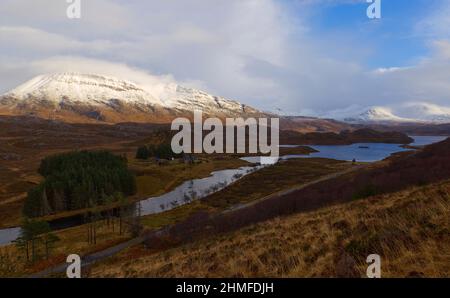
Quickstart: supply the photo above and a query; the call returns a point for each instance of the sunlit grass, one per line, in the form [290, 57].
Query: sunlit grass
[408, 229]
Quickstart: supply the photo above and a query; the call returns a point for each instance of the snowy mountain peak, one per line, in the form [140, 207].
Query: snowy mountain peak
[111, 99]
[76, 78]
[86, 88]
[428, 112]
[372, 114]
[182, 98]
[378, 114]
[411, 112]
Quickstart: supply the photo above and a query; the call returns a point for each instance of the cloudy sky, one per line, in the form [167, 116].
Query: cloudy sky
[301, 56]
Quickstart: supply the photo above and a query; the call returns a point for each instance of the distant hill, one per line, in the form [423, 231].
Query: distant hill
[312, 124]
[417, 129]
[364, 135]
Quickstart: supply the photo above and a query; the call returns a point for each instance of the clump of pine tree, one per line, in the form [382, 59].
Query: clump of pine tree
[79, 180]
[35, 237]
[161, 151]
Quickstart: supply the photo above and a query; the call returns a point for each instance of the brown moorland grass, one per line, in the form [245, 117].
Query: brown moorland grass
[25, 141]
[408, 229]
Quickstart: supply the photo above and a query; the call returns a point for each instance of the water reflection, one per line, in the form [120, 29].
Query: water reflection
[194, 190]
[426, 140]
[9, 235]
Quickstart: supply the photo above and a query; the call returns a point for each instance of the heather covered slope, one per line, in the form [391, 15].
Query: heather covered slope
[408, 229]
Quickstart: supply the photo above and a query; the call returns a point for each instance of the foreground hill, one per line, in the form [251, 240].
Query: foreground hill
[408, 229]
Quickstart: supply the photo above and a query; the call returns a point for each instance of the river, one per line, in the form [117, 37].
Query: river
[199, 188]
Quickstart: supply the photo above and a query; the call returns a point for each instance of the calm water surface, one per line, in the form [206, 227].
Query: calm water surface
[194, 189]
[426, 140]
[363, 152]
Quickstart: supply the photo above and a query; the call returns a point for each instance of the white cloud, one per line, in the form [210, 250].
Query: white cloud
[152, 83]
[442, 49]
[203, 43]
[105, 18]
[383, 70]
[36, 42]
[256, 51]
[436, 23]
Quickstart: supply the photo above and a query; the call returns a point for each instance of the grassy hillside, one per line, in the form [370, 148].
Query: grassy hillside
[409, 229]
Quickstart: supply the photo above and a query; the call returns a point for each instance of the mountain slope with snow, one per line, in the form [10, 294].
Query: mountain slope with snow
[368, 115]
[182, 98]
[73, 96]
[409, 113]
[427, 112]
[88, 88]
[376, 114]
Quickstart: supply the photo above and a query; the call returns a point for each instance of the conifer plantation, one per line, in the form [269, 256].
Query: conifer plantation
[79, 180]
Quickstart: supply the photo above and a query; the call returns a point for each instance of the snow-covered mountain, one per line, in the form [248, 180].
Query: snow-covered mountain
[355, 114]
[73, 96]
[83, 88]
[409, 113]
[181, 98]
[427, 112]
[375, 114]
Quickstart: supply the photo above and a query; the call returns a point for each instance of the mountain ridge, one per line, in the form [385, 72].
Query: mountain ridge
[411, 113]
[76, 97]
